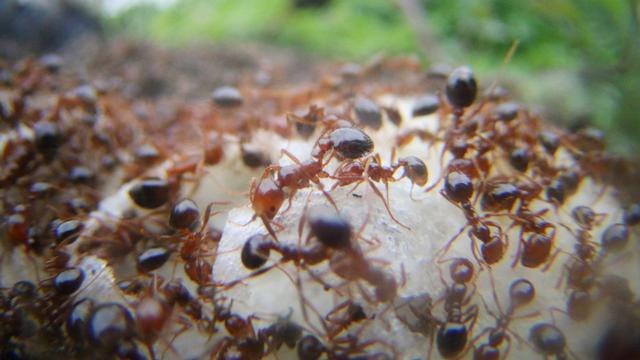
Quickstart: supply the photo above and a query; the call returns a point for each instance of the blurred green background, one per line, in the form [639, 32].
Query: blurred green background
[577, 59]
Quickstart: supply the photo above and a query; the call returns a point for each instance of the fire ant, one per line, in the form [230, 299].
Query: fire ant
[251, 343]
[453, 333]
[371, 170]
[521, 293]
[309, 347]
[343, 316]
[194, 247]
[299, 176]
[458, 190]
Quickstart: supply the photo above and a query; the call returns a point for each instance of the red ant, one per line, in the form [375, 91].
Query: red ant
[373, 171]
[194, 247]
[521, 293]
[458, 190]
[343, 316]
[453, 333]
[248, 341]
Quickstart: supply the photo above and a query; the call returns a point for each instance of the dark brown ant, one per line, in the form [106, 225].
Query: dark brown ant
[536, 249]
[548, 340]
[581, 268]
[521, 293]
[242, 336]
[458, 190]
[452, 336]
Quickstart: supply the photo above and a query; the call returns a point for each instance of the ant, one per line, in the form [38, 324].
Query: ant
[249, 342]
[335, 243]
[194, 247]
[453, 333]
[521, 293]
[339, 138]
[581, 268]
[299, 176]
[458, 190]
[549, 340]
[342, 316]
[373, 171]
[309, 347]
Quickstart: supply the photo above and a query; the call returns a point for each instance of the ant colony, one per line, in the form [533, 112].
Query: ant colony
[380, 213]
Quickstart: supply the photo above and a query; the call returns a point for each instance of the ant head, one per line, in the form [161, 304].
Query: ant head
[267, 198]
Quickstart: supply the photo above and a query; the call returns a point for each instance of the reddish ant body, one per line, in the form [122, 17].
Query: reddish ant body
[453, 333]
[458, 190]
[521, 293]
[267, 195]
[371, 170]
[194, 248]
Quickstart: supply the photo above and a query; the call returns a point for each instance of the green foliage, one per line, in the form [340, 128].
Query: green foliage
[592, 44]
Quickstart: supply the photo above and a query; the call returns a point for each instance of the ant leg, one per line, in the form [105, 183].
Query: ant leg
[551, 260]
[441, 176]
[355, 187]
[339, 307]
[564, 273]
[519, 250]
[377, 191]
[474, 251]
[506, 352]
[186, 325]
[293, 192]
[443, 250]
